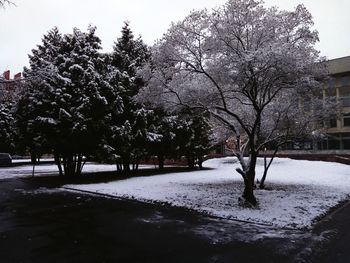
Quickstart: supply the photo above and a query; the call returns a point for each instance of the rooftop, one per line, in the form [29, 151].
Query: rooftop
[339, 65]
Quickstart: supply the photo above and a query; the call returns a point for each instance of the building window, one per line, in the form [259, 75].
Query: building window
[333, 122]
[346, 120]
[346, 141]
[345, 81]
[346, 144]
[345, 101]
[331, 83]
[334, 145]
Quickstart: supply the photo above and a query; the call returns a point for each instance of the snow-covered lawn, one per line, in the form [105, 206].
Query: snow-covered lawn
[300, 191]
[26, 160]
[49, 169]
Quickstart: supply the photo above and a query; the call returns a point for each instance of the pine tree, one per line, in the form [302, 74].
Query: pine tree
[65, 106]
[177, 135]
[6, 127]
[37, 97]
[199, 143]
[130, 127]
[161, 137]
[182, 134]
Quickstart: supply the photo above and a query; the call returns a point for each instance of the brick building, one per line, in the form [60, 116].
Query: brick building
[9, 87]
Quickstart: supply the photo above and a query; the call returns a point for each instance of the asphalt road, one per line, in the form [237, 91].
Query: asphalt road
[337, 224]
[40, 224]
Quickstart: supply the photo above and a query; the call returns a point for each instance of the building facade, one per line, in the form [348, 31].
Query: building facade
[336, 137]
[338, 86]
[9, 88]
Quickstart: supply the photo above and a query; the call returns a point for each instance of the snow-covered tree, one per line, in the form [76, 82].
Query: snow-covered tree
[238, 62]
[6, 127]
[295, 118]
[161, 135]
[199, 143]
[34, 100]
[177, 134]
[64, 108]
[129, 128]
[192, 137]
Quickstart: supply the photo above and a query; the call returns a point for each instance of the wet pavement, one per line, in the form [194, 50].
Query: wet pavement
[39, 224]
[338, 247]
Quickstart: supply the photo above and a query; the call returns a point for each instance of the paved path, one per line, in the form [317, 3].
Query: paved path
[45, 225]
[337, 249]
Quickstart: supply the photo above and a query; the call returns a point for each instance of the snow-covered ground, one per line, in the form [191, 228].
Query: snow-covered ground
[51, 169]
[300, 191]
[26, 160]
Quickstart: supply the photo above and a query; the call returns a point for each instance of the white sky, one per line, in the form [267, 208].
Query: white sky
[22, 26]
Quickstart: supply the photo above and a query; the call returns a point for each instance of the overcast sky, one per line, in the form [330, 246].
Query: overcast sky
[22, 26]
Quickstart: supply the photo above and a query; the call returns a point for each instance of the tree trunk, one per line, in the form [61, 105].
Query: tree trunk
[119, 166]
[200, 162]
[134, 164]
[161, 162]
[263, 178]
[126, 167]
[248, 193]
[190, 162]
[33, 158]
[266, 168]
[126, 164]
[79, 164]
[69, 165]
[249, 181]
[64, 160]
[58, 163]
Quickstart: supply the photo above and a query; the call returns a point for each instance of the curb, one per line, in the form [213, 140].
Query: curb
[329, 216]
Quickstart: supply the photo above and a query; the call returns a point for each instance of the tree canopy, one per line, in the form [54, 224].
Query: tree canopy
[64, 106]
[78, 102]
[243, 63]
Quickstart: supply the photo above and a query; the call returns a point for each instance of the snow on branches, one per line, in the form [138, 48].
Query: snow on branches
[66, 98]
[245, 64]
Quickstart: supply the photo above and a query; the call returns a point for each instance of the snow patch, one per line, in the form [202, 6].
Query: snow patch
[301, 191]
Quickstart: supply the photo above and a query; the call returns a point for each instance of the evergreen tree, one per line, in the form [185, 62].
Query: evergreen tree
[199, 143]
[37, 97]
[161, 136]
[176, 135]
[192, 137]
[129, 128]
[67, 103]
[6, 128]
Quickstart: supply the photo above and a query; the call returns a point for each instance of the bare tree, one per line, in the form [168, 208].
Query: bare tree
[302, 119]
[246, 65]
